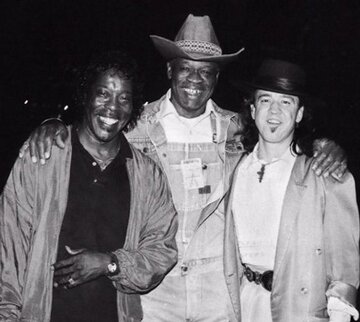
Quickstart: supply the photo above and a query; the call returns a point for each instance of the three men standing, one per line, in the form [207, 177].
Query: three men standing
[197, 144]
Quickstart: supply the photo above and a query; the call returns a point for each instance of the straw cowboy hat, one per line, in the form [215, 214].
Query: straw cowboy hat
[278, 76]
[196, 40]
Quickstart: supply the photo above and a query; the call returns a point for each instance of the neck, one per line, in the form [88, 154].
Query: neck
[98, 149]
[189, 114]
[268, 151]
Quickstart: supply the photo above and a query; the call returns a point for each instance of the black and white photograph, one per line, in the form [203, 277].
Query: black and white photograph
[179, 161]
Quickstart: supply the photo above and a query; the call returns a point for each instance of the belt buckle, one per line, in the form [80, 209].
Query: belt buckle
[249, 274]
[265, 279]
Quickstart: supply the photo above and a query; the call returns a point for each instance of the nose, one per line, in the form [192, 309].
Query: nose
[194, 76]
[113, 103]
[274, 107]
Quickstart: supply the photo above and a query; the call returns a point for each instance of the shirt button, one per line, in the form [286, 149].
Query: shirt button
[94, 163]
[319, 251]
[95, 180]
[164, 155]
[145, 150]
[204, 166]
[304, 290]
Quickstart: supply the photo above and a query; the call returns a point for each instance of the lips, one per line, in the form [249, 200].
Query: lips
[273, 122]
[108, 120]
[192, 91]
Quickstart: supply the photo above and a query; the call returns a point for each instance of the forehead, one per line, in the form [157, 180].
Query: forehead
[111, 76]
[195, 63]
[263, 93]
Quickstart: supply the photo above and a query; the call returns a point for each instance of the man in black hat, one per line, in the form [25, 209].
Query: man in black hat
[194, 141]
[296, 234]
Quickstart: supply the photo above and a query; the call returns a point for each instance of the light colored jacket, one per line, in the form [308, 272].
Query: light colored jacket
[32, 207]
[317, 251]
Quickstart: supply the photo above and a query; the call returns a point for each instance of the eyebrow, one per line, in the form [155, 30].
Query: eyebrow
[283, 96]
[263, 95]
[106, 87]
[289, 97]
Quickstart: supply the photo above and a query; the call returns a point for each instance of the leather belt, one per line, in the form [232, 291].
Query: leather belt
[265, 279]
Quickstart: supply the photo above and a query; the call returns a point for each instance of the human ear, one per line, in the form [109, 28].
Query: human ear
[252, 110]
[300, 114]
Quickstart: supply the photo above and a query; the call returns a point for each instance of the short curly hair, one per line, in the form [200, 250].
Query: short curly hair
[119, 62]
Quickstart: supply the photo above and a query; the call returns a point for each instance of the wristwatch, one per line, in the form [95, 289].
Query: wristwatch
[113, 268]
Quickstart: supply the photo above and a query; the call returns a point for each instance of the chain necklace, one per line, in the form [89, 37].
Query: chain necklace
[104, 163]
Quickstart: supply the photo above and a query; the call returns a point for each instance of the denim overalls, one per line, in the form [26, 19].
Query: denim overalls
[195, 289]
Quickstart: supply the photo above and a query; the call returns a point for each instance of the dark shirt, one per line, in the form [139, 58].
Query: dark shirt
[96, 218]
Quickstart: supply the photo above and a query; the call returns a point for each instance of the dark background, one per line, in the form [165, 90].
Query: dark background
[43, 42]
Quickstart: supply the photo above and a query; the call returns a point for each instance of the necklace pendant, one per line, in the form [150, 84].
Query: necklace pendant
[261, 172]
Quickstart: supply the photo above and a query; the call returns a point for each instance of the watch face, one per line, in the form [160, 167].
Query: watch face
[112, 268]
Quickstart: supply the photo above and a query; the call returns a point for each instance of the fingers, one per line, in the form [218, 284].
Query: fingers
[65, 262]
[318, 163]
[326, 165]
[35, 146]
[32, 147]
[74, 251]
[66, 271]
[61, 138]
[42, 139]
[67, 281]
[69, 276]
[41, 147]
[23, 149]
[83, 267]
[339, 171]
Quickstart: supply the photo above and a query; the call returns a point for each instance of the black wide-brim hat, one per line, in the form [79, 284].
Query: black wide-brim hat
[277, 76]
[196, 40]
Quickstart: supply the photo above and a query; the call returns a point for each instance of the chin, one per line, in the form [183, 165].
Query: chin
[106, 136]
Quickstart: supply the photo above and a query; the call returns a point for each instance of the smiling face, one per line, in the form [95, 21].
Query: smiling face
[192, 84]
[275, 116]
[109, 107]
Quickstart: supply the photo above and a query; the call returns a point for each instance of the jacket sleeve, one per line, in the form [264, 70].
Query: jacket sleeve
[341, 224]
[15, 235]
[143, 268]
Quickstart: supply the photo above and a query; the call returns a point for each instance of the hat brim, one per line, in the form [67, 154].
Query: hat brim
[169, 50]
[248, 87]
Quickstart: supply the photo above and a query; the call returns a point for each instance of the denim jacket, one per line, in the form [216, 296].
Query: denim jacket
[32, 207]
[149, 137]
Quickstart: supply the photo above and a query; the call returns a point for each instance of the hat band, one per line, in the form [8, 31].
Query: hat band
[280, 84]
[196, 46]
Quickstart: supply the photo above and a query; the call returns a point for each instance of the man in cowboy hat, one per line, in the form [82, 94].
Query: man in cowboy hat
[296, 234]
[194, 141]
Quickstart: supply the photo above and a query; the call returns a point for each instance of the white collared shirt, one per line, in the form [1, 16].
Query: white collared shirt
[185, 130]
[257, 207]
